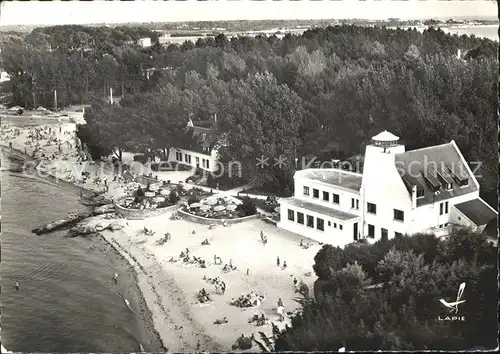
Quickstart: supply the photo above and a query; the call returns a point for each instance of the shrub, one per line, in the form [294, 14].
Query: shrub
[174, 197]
[247, 207]
[193, 199]
[139, 192]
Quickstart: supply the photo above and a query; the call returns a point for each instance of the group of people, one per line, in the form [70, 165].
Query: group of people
[278, 263]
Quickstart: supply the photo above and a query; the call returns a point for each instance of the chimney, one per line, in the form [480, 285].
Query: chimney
[414, 197]
[459, 52]
[215, 117]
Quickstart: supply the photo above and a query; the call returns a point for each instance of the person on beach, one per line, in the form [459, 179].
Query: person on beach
[280, 302]
[10, 144]
[115, 278]
[284, 265]
[248, 271]
[16, 285]
[223, 287]
[278, 261]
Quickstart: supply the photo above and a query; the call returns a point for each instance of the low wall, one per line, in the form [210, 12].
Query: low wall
[208, 221]
[135, 214]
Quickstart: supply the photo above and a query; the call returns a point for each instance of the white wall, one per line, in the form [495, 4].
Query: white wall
[345, 195]
[427, 217]
[383, 186]
[212, 158]
[330, 235]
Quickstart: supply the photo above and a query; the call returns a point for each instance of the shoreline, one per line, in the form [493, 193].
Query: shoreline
[144, 316]
[170, 286]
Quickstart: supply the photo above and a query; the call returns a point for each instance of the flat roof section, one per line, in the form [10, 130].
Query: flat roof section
[477, 211]
[320, 209]
[334, 177]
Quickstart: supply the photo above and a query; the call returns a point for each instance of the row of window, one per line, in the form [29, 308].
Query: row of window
[205, 163]
[398, 214]
[320, 223]
[384, 233]
[326, 197]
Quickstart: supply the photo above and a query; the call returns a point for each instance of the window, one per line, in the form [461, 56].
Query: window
[420, 193]
[315, 193]
[464, 183]
[352, 203]
[197, 161]
[186, 158]
[440, 208]
[357, 204]
[300, 218]
[291, 215]
[203, 162]
[310, 221]
[178, 156]
[446, 224]
[326, 196]
[441, 226]
[306, 190]
[384, 234]
[398, 234]
[448, 186]
[446, 207]
[399, 215]
[329, 223]
[336, 198]
[208, 163]
[371, 231]
[341, 227]
[335, 225]
[320, 224]
[372, 208]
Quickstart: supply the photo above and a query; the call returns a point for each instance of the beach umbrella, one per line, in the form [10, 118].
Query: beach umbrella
[231, 207]
[219, 208]
[155, 187]
[165, 192]
[159, 199]
[195, 205]
[211, 201]
[149, 194]
[204, 207]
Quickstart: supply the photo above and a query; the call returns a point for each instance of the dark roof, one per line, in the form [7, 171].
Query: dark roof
[430, 169]
[477, 211]
[334, 177]
[320, 209]
[203, 136]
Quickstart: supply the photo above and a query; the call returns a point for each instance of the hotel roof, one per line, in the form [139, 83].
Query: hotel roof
[320, 209]
[334, 177]
[477, 211]
[431, 168]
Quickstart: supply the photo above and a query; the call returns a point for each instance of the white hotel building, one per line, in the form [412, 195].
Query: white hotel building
[400, 192]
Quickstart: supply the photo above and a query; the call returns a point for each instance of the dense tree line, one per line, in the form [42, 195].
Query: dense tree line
[401, 313]
[78, 62]
[323, 93]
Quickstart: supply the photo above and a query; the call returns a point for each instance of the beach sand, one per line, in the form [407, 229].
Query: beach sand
[173, 286]
[170, 288]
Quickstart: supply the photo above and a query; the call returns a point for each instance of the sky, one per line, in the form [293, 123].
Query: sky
[76, 12]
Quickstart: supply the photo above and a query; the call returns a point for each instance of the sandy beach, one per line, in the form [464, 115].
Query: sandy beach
[170, 287]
